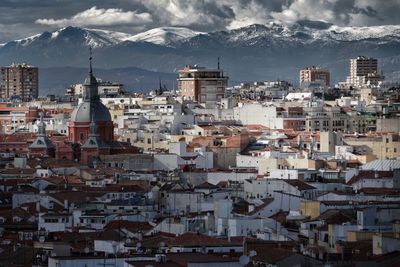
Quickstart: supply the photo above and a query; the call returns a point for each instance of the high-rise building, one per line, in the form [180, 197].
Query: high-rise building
[202, 84]
[19, 81]
[363, 71]
[315, 75]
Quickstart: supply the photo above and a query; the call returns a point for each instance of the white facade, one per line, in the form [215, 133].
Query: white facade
[258, 114]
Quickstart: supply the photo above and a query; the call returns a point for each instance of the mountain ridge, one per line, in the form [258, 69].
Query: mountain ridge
[311, 28]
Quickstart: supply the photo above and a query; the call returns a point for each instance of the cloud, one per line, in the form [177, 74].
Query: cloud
[333, 11]
[341, 12]
[197, 14]
[100, 17]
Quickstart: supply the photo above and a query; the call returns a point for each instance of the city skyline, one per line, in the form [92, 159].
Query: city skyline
[198, 133]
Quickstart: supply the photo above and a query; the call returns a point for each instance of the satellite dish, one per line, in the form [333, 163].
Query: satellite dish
[252, 253]
[138, 245]
[244, 260]
[161, 244]
[41, 239]
[128, 241]
[86, 250]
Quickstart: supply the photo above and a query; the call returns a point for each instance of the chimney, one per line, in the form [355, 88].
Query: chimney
[66, 204]
[251, 208]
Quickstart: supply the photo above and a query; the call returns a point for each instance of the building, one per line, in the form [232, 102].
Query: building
[363, 71]
[15, 118]
[90, 109]
[19, 81]
[105, 89]
[42, 145]
[201, 84]
[91, 129]
[313, 75]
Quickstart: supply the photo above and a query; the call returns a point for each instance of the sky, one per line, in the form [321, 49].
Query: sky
[22, 18]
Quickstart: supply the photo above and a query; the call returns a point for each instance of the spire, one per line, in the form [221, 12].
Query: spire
[42, 141]
[41, 126]
[218, 64]
[91, 86]
[90, 61]
[92, 126]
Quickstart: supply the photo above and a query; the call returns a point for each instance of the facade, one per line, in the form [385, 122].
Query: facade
[201, 84]
[14, 118]
[42, 145]
[19, 81]
[105, 89]
[315, 75]
[363, 70]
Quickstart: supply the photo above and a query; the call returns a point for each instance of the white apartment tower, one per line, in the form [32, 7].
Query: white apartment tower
[364, 71]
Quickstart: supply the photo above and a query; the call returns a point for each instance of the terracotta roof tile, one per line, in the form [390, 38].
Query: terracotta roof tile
[191, 239]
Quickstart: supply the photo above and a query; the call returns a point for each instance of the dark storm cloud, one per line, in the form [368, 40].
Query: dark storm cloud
[25, 17]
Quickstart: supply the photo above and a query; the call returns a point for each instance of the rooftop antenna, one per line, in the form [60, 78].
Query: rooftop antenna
[218, 63]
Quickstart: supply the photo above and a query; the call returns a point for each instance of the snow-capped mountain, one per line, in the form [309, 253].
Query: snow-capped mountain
[99, 38]
[253, 35]
[165, 35]
[91, 37]
[303, 32]
[255, 52]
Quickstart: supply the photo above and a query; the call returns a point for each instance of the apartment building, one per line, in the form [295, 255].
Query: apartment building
[14, 118]
[201, 84]
[19, 81]
[363, 70]
[385, 146]
[326, 119]
[315, 75]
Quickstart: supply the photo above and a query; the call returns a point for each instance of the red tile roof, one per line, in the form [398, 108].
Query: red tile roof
[191, 239]
[370, 175]
[129, 225]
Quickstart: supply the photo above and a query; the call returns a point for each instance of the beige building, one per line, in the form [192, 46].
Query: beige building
[20, 81]
[201, 84]
[315, 75]
[386, 146]
[310, 208]
[14, 118]
[326, 119]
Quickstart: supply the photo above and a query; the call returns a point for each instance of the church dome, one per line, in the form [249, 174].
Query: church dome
[82, 112]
